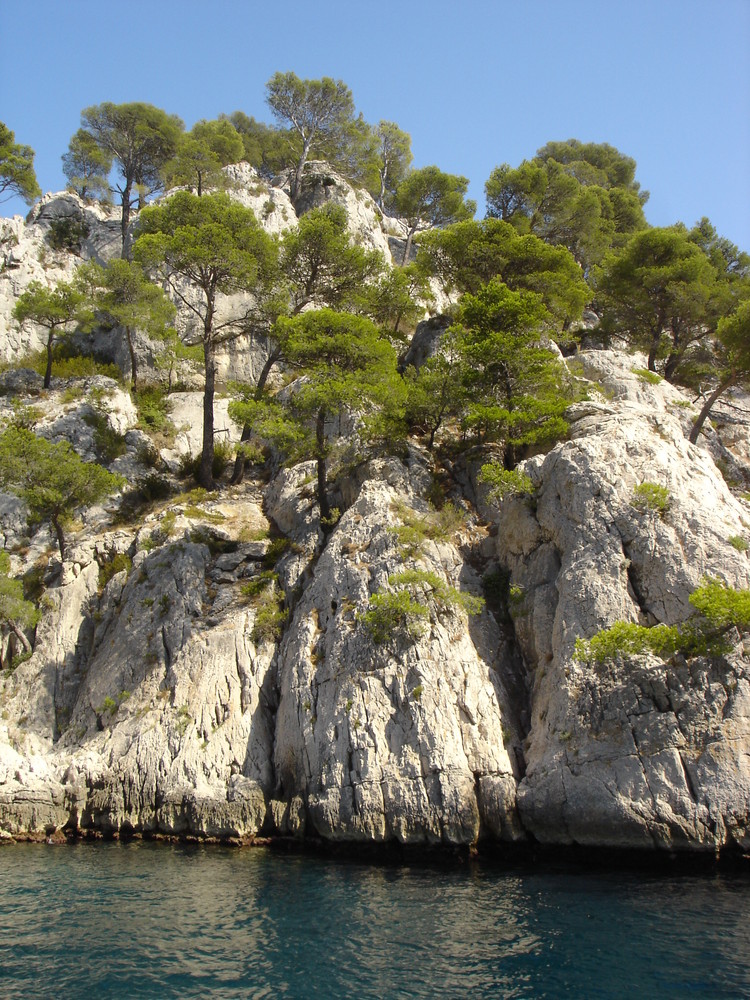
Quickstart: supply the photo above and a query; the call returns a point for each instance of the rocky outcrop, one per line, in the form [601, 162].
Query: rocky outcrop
[206, 665]
[642, 752]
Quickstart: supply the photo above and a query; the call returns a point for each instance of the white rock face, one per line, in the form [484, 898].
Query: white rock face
[645, 753]
[322, 185]
[403, 741]
[157, 700]
[27, 256]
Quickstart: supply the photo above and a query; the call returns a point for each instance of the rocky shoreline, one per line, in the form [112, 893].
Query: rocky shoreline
[163, 698]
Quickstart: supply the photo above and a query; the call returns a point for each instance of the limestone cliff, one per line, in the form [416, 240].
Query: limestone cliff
[205, 667]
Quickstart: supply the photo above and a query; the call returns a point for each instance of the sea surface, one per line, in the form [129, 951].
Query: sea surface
[154, 920]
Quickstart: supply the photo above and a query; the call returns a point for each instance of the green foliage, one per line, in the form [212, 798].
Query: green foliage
[415, 529]
[56, 310]
[139, 139]
[646, 376]
[391, 160]
[68, 364]
[201, 153]
[739, 543]
[67, 233]
[720, 609]
[394, 613]
[121, 561]
[625, 639]
[731, 359]
[154, 407]
[87, 166]
[191, 465]
[320, 112]
[398, 299]
[219, 248]
[345, 364]
[51, 479]
[579, 195]
[15, 610]
[266, 148]
[660, 293]
[270, 615]
[322, 264]
[651, 498]
[16, 168]
[504, 483]
[265, 580]
[516, 390]
[428, 198]
[122, 295]
[108, 442]
[437, 590]
[469, 254]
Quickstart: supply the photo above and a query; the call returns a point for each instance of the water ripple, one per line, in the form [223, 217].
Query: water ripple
[142, 920]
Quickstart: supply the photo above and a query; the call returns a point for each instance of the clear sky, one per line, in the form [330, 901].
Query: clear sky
[476, 83]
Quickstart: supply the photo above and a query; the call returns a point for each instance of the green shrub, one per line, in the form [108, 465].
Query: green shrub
[223, 454]
[67, 233]
[259, 584]
[651, 497]
[504, 483]
[442, 592]
[108, 443]
[628, 639]
[723, 607]
[154, 487]
[739, 543]
[154, 407]
[720, 609]
[69, 362]
[416, 529]
[120, 562]
[270, 615]
[391, 613]
[647, 376]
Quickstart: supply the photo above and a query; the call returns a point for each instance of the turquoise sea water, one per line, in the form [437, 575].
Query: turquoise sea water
[153, 920]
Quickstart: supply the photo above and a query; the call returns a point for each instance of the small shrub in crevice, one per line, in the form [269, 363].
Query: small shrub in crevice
[416, 529]
[505, 482]
[108, 443]
[270, 615]
[652, 378]
[720, 610]
[67, 233]
[651, 498]
[394, 612]
[121, 561]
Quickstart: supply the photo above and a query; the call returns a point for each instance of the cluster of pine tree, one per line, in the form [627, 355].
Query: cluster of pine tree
[563, 231]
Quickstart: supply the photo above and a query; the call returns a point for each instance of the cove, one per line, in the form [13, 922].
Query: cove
[155, 920]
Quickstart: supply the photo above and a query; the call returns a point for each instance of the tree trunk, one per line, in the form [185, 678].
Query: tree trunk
[652, 357]
[297, 181]
[205, 474]
[48, 369]
[60, 536]
[407, 248]
[381, 196]
[701, 418]
[320, 442]
[131, 351]
[125, 225]
[239, 463]
[670, 366]
[19, 634]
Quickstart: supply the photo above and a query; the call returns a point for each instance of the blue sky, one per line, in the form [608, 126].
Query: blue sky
[476, 83]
